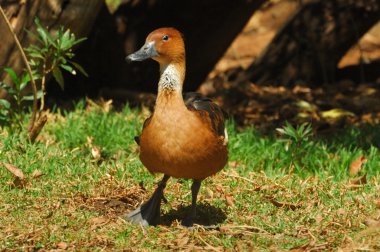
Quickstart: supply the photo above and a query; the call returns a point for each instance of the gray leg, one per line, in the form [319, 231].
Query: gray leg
[149, 212]
[189, 220]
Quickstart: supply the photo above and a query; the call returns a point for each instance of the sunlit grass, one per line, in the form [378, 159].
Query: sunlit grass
[91, 177]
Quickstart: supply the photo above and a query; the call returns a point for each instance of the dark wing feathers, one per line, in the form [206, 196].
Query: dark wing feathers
[195, 101]
[146, 122]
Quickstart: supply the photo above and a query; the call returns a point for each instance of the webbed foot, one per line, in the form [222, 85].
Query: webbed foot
[149, 212]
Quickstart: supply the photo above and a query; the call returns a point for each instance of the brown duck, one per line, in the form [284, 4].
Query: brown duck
[185, 137]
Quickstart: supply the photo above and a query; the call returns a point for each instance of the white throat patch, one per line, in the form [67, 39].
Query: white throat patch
[170, 79]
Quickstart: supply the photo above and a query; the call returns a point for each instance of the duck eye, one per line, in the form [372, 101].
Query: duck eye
[165, 38]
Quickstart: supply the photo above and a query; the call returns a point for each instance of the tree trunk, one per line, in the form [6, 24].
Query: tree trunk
[76, 15]
[310, 45]
[209, 27]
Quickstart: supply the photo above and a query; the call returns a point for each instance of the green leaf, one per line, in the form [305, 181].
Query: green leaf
[66, 41]
[34, 36]
[4, 118]
[3, 85]
[25, 78]
[36, 75]
[68, 69]
[69, 55]
[79, 67]
[36, 55]
[10, 90]
[58, 77]
[13, 75]
[24, 81]
[4, 104]
[62, 60]
[31, 98]
[78, 41]
[43, 33]
[281, 131]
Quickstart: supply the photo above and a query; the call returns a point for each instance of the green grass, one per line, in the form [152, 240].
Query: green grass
[92, 177]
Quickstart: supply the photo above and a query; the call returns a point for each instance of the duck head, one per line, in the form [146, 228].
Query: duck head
[164, 45]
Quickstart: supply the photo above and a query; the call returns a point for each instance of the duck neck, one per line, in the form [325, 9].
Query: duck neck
[171, 79]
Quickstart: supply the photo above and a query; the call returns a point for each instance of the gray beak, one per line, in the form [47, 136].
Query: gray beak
[146, 52]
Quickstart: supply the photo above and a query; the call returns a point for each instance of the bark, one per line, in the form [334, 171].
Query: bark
[74, 14]
[313, 41]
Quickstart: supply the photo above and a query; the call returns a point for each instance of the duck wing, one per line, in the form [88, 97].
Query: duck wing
[196, 102]
[146, 122]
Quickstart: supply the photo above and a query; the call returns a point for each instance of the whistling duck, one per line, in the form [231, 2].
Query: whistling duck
[185, 137]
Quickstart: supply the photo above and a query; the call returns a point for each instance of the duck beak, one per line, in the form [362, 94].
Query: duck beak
[146, 52]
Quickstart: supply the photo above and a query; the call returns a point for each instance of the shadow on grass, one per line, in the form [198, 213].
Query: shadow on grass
[207, 215]
[352, 137]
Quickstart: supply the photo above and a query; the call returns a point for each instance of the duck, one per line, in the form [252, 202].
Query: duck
[185, 137]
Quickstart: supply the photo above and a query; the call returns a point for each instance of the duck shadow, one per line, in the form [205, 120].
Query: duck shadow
[207, 215]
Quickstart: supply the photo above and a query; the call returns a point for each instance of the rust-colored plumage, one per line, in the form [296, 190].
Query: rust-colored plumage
[185, 136]
[183, 141]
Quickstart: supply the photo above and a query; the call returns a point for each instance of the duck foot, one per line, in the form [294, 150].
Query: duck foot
[149, 212]
[188, 221]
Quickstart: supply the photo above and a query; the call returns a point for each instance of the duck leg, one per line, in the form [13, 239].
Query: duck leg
[189, 220]
[149, 212]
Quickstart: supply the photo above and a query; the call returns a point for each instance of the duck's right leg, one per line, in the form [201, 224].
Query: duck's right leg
[149, 212]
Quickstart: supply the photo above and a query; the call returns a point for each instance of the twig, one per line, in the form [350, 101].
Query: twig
[291, 165]
[34, 88]
[43, 86]
[207, 244]
[242, 178]
[245, 227]
[37, 128]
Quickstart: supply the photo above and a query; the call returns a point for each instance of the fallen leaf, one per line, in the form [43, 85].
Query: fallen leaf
[229, 200]
[219, 188]
[105, 105]
[336, 113]
[37, 174]
[284, 204]
[318, 218]
[62, 245]
[377, 203]
[341, 211]
[258, 188]
[182, 241]
[239, 247]
[209, 193]
[233, 164]
[89, 141]
[359, 180]
[306, 106]
[19, 183]
[98, 220]
[14, 170]
[371, 223]
[96, 152]
[357, 165]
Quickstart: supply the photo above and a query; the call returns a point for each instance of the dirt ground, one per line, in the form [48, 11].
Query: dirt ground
[347, 101]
